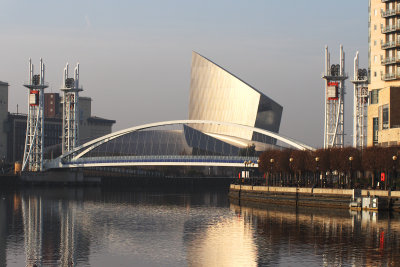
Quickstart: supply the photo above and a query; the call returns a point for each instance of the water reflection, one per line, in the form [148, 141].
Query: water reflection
[3, 217]
[93, 227]
[286, 236]
[97, 227]
[52, 236]
[227, 242]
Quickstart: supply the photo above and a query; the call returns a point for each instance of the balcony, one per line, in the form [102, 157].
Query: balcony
[391, 76]
[390, 13]
[391, 44]
[387, 1]
[391, 28]
[390, 60]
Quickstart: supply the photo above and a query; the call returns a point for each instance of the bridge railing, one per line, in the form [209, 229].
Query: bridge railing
[171, 158]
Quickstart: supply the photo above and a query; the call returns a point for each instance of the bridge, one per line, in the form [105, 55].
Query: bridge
[176, 143]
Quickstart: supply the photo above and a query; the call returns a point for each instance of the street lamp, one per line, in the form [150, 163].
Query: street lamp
[272, 163]
[317, 169]
[394, 158]
[258, 173]
[291, 169]
[245, 172]
[351, 170]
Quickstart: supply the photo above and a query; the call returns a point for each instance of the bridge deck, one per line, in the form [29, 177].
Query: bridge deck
[160, 160]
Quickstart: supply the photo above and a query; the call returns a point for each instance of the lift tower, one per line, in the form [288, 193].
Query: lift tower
[360, 107]
[33, 151]
[70, 134]
[334, 101]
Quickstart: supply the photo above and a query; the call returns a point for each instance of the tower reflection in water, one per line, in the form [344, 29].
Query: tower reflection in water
[69, 227]
[49, 231]
[3, 230]
[286, 236]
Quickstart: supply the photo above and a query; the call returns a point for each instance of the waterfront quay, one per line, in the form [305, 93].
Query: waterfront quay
[316, 197]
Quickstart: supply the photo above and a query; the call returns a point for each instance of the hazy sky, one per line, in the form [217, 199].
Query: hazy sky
[135, 56]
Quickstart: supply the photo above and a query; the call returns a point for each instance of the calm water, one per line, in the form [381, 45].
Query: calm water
[94, 227]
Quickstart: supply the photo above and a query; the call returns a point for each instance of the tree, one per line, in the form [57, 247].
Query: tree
[249, 151]
[266, 165]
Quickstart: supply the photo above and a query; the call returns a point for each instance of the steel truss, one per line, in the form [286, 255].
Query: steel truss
[70, 133]
[33, 150]
[335, 77]
[360, 107]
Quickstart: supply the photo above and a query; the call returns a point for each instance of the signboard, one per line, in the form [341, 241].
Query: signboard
[34, 98]
[332, 91]
[382, 176]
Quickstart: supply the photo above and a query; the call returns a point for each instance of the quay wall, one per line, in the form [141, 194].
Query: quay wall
[311, 197]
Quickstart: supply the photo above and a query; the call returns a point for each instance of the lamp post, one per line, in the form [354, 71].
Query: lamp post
[252, 170]
[248, 164]
[291, 170]
[244, 173]
[394, 158]
[3, 160]
[351, 171]
[317, 169]
[272, 163]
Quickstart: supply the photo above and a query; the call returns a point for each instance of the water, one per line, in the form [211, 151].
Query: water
[98, 227]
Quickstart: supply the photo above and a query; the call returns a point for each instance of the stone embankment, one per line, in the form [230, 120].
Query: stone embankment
[312, 197]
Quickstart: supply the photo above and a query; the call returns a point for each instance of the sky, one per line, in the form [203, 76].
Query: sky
[135, 56]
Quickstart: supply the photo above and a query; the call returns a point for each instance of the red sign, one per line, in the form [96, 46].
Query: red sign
[332, 91]
[382, 176]
[34, 98]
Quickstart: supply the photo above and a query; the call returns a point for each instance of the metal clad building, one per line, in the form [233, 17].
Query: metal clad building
[216, 94]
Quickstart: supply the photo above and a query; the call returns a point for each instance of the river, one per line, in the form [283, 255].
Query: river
[126, 227]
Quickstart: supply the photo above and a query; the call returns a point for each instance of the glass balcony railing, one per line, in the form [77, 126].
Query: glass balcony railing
[390, 60]
[390, 44]
[391, 76]
[390, 12]
[391, 28]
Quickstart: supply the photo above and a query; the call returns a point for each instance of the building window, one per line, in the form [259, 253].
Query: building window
[374, 73]
[374, 27]
[374, 42]
[375, 126]
[374, 96]
[375, 60]
[375, 12]
[385, 117]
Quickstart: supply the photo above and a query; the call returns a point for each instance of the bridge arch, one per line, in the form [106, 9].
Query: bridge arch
[79, 152]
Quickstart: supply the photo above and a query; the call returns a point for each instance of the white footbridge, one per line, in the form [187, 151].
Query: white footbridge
[178, 145]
